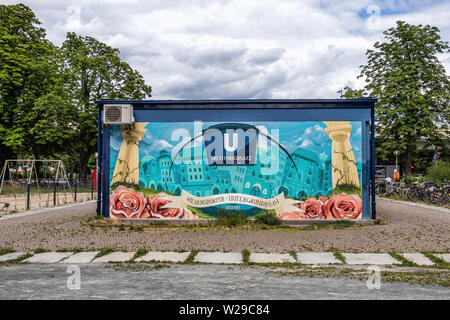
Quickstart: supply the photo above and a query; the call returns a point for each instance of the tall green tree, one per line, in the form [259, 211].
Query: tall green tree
[92, 70]
[27, 71]
[413, 88]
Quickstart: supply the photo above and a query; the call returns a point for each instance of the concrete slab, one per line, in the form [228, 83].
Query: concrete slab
[81, 257]
[370, 258]
[271, 258]
[11, 256]
[219, 257]
[115, 257]
[164, 256]
[418, 258]
[48, 257]
[443, 256]
[317, 258]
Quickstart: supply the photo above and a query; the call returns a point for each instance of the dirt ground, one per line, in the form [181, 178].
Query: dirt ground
[18, 203]
[408, 229]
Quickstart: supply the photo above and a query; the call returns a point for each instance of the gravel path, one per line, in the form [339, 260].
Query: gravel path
[408, 229]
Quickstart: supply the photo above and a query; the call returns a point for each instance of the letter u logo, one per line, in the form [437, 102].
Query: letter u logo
[226, 142]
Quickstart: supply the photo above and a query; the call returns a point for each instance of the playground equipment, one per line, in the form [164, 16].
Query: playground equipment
[35, 172]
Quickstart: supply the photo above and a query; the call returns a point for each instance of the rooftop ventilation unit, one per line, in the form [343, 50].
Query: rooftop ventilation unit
[118, 114]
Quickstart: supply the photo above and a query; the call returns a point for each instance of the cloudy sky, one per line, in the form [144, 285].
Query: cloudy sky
[196, 49]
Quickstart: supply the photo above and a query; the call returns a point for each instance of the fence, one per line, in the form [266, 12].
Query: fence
[21, 195]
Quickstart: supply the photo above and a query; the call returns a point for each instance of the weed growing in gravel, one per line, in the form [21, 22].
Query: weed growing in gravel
[191, 257]
[337, 254]
[245, 256]
[293, 254]
[139, 253]
[5, 251]
[104, 252]
[17, 260]
[41, 250]
[268, 218]
[419, 277]
[405, 262]
[230, 218]
[136, 266]
[439, 263]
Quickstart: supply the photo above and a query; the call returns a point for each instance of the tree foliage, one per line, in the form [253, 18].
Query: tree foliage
[27, 69]
[413, 88]
[92, 71]
[48, 94]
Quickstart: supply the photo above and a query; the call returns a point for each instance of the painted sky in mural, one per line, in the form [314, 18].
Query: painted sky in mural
[307, 135]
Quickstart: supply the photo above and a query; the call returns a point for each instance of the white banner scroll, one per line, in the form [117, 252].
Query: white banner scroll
[278, 203]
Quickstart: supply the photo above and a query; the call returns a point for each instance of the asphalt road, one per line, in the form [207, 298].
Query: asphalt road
[38, 281]
[408, 228]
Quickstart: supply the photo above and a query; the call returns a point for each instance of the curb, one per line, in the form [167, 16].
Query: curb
[302, 258]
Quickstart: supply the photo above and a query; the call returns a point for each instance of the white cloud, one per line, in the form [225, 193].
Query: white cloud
[239, 49]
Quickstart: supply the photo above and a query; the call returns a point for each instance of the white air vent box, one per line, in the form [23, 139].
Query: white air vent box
[118, 114]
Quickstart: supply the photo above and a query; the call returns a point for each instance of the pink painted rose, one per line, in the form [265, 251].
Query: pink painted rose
[155, 207]
[312, 209]
[293, 215]
[126, 203]
[343, 206]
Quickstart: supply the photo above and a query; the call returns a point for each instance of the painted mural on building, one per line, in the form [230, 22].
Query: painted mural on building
[184, 170]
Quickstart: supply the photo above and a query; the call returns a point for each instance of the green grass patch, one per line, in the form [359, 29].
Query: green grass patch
[440, 263]
[104, 252]
[338, 255]
[230, 219]
[245, 256]
[405, 262]
[17, 260]
[347, 189]
[136, 266]
[191, 257]
[5, 251]
[40, 250]
[293, 254]
[139, 253]
[267, 217]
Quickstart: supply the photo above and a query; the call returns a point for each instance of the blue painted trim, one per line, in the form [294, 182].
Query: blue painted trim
[243, 115]
[242, 101]
[372, 163]
[99, 160]
[365, 180]
[106, 179]
[253, 110]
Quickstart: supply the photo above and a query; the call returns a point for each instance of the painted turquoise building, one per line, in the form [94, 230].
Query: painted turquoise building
[304, 175]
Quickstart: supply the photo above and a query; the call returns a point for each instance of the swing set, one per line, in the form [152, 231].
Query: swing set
[40, 173]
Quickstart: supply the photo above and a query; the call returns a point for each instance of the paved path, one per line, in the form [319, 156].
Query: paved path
[204, 281]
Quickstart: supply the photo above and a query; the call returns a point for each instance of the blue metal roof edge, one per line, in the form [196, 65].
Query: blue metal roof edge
[368, 100]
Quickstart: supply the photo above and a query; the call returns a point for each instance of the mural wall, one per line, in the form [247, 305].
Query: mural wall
[185, 170]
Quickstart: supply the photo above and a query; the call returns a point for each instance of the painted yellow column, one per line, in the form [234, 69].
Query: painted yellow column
[343, 162]
[127, 164]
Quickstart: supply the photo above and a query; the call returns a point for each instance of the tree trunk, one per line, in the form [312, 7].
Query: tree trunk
[408, 164]
[84, 160]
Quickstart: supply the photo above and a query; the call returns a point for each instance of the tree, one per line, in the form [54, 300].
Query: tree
[91, 71]
[406, 75]
[27, 69]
